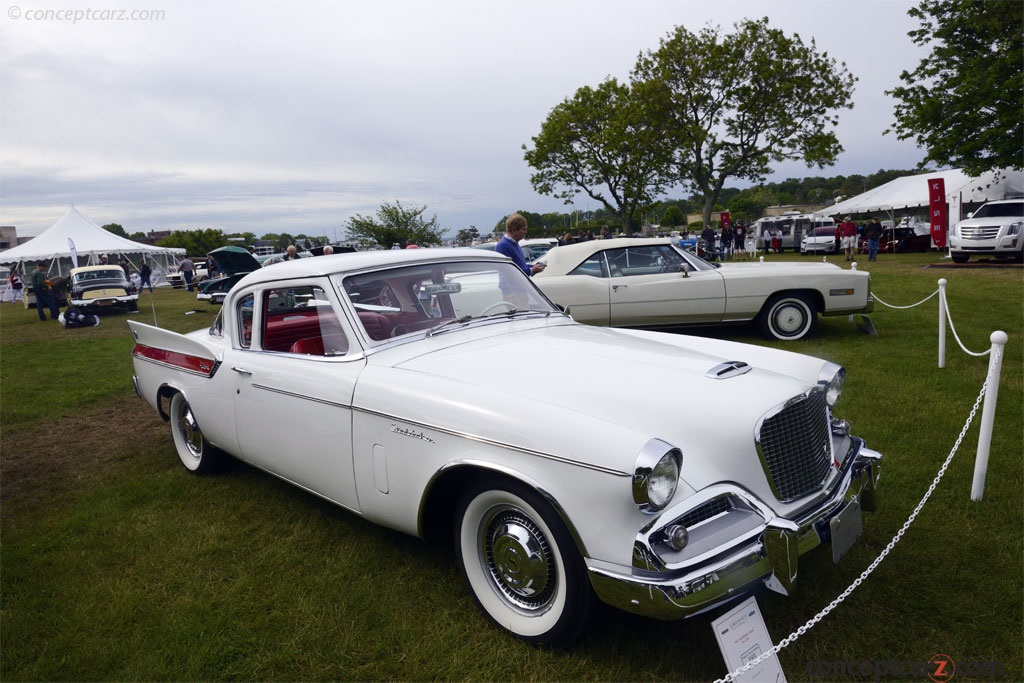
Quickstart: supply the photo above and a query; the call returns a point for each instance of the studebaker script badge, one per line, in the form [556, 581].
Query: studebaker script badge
[411, 433]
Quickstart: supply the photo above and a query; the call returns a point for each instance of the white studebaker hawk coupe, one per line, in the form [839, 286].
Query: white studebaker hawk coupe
[630, 282]
[391, 383]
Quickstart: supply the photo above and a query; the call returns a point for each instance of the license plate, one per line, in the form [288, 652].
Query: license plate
[846, 528]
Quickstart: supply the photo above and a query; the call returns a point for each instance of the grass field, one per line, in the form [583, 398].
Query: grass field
[118, 565]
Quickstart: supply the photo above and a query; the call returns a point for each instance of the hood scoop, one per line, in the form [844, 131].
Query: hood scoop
[728, 369]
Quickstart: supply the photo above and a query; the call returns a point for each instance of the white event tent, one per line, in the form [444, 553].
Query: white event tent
[89, 242]
[909, 195]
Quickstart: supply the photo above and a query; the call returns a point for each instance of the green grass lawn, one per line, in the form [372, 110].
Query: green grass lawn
[118, 565]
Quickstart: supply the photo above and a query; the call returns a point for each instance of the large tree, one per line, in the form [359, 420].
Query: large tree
[731, 104]
[964, 103]
[599, 143]
[395, 224]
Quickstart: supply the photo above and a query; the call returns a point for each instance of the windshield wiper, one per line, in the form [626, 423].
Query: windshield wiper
[451, 322]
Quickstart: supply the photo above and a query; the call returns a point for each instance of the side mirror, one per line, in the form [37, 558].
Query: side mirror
[684, 270]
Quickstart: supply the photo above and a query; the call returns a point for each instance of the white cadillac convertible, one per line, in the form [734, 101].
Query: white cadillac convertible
[651, 282]
[390, 383]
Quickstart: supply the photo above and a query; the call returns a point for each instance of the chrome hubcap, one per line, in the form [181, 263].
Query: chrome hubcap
[191, 433]
[518, 557]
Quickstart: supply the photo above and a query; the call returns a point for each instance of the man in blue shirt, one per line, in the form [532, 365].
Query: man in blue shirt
[515, 230]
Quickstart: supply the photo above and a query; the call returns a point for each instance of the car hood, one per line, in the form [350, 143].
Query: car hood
[597, 395]
[234, 260]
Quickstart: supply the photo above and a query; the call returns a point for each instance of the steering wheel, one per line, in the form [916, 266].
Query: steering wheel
[498, 304]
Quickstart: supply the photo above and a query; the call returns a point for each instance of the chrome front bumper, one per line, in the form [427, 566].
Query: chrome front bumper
[765, 552]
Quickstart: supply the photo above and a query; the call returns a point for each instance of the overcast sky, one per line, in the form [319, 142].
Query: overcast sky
[262, 117]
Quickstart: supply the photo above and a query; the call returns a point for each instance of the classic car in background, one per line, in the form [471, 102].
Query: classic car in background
[100, 287]
[388, 383]
[199, 273]
[653, 283]
[533, 249]
[234, 263]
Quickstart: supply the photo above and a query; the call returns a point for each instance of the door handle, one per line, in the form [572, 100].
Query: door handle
[242, 371]
[616, 287]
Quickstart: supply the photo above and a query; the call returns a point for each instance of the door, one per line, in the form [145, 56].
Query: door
[648, 287]
[294, 378]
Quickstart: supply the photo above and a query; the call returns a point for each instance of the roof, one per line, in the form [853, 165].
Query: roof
[570, 255]
[364, 260]
[87, 238]
[911, 192]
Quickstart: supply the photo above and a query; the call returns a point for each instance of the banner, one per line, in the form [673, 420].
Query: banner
[938, 217]
[74, 254]
[726, 220]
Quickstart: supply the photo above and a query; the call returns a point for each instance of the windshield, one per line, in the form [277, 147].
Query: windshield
[415, 298]
[1008, 210]
[107, 274]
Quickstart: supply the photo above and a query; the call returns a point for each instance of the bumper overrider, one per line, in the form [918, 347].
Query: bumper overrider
[737, 543]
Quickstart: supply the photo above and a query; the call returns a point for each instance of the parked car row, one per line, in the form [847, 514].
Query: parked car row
[392, 371]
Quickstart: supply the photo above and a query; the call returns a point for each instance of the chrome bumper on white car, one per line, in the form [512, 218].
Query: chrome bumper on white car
[736, 543]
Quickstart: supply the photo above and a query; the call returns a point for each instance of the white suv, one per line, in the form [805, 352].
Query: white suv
[996, 229]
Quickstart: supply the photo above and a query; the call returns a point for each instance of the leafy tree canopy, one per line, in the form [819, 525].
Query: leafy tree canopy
[598, 143]
[395, 224]
[196, 242]
[467, 236]
[730, 105]
[964, 101]
[116, 229]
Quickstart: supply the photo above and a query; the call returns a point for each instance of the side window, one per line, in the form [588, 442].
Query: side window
[301, 320]
[243, 314]
[593, 266]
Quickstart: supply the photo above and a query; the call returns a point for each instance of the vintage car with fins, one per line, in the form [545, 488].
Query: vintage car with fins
[650, 283]
[399, 375]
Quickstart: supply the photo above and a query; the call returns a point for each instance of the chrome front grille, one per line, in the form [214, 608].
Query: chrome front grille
[980, 232]
[796, 447]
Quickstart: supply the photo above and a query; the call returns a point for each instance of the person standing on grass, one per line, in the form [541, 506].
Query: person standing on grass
[17, 287]
[145, 273]
[44, 295]
[873, 234]
[848, 235]
[187, 268]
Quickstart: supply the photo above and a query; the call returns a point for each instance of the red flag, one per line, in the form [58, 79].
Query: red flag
[726, 220]
[937, 213]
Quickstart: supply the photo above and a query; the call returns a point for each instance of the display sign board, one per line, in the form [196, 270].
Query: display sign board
[742, 638]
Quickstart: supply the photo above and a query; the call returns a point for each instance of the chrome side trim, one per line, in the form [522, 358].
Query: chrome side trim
[494, 442]
[292, 394]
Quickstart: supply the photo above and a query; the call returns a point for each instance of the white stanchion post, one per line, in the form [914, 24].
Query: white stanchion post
[988, 411]
[942, 322]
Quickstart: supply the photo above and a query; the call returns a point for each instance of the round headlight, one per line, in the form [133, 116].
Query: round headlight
[662, 484]
[656, 475]
[832, 378]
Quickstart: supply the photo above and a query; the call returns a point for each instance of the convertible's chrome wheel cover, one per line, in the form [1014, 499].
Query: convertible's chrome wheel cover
[789, 319]
[518, 558]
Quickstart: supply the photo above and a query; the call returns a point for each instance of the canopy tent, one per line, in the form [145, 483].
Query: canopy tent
[89, 242]
[909, 194]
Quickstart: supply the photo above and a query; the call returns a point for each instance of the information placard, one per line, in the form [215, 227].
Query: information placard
[742, 637]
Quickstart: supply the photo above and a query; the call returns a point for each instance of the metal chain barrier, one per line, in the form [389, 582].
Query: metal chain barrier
[792, 637]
